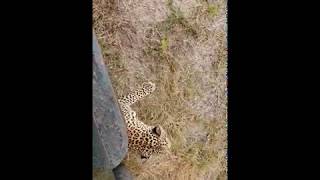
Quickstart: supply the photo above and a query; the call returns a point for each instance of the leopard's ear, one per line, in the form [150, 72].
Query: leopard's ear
[144, 157]
[157, 130]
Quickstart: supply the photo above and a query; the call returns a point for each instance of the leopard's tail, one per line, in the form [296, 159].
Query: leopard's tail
[146, 89]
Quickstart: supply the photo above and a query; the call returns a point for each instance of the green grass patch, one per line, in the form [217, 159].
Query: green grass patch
[212, 10]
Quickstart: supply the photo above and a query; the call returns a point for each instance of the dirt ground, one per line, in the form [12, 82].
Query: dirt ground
[181, 46]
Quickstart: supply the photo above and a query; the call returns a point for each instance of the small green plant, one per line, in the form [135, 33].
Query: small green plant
[164, 44]
[114, 60]
[176, 18]
[212, 10]
[170, 4]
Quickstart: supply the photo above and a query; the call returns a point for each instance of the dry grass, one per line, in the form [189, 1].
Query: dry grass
[181, 47]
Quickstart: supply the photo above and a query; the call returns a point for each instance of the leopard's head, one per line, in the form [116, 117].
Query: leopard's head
[160, 141]
[155, 142]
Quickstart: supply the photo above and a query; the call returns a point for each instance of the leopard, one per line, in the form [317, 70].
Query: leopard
[144, 139]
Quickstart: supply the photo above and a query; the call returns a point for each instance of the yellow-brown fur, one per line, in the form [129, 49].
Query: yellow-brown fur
[143, 138]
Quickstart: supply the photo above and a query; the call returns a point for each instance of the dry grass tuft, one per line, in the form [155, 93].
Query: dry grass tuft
[180, 45]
